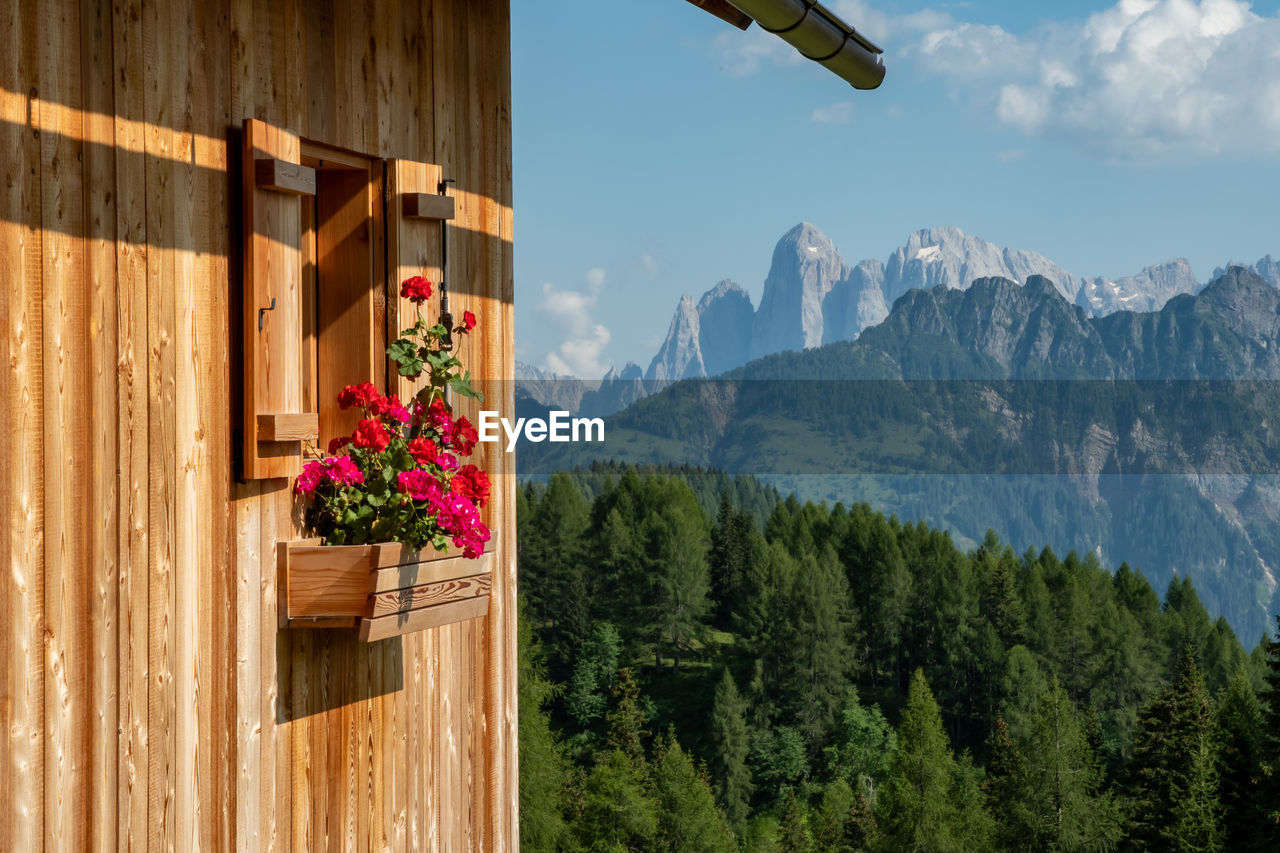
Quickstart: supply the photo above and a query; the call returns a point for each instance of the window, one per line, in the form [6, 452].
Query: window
[327, 234]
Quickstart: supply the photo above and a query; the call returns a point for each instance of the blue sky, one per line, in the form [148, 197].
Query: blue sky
[659, 150]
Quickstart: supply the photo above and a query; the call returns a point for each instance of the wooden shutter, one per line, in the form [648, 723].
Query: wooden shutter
[415, 216]
[275, 422]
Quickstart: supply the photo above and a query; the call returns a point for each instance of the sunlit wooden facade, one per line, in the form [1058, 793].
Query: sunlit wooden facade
[148, 698]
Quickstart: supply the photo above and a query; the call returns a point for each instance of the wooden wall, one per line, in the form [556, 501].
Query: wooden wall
[147, 699]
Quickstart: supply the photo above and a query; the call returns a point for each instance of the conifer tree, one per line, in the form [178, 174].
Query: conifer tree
[861, 832]
[626, 722]
[793, 832]
[1006, 769]
[730, 748]
[688, 820]
[543, 775]
[879, 577]
[1174, 789]
[595, 672]
[1001, 604]
[728, 560]
[928, 802]
[678, 570]
[833, 814]
[551, 558]
[1059, 794]
[1238, 717]
[805, 652]
[974, 829]
[1270, 700]
[616, 811]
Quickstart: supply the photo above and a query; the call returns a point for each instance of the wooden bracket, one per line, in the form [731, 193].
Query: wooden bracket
[427, 206]
[291, 427]
[271, 173]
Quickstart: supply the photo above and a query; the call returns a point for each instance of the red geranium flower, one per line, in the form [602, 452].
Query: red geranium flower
[416, 289]
[336, 444]
[390, 407]
[361, 395]
[471, 482]
[423, 450]
[371, 435]
[464, 436]
[437, 417]
[468, 323]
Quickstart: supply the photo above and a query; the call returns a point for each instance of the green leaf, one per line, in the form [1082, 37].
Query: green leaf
[405, 354]
[462, 386]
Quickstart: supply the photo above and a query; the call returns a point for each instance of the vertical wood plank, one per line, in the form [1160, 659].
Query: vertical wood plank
[10, 249]
[22, 818]
[301, 733]
[277, 764]
[101, 333]
[321, 60]
[187, 294]
[249, 723]
[64, 310]
[133, 404]
[242, 54]
[216, 594]
[162, 234]
[500, 648]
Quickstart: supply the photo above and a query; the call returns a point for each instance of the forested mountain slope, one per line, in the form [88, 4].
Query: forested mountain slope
[836, 680]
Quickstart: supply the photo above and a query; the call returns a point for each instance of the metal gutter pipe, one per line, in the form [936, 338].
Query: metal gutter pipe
[819, 35]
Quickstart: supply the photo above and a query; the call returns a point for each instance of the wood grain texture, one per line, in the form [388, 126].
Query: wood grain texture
[412, 621]
[101, 332]
[403, 600]
[21, 261]
[427, 206]
[271, 173]
[133, 406]
[164, 200]
[150, 700]
[289, 427]
[64, 309]
[416, 574]
[272, 302]
[345, 325]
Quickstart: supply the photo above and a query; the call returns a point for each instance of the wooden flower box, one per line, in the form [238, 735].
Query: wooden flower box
[383, 590]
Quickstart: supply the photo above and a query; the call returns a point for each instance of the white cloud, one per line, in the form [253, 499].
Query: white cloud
[584, 339]
[1140, 79]
[743, 53]
[838, 113]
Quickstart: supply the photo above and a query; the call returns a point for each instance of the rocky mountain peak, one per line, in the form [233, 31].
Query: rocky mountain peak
[630, 372]
[804, 269]
[948, 256]
[724, 289]
[1146, 291]
[681, 355]
[1042, 285]
[707, 338]
[1247, 301]
[1267, 267]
